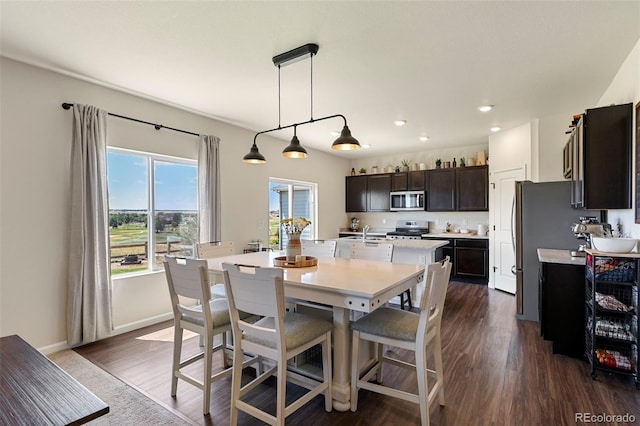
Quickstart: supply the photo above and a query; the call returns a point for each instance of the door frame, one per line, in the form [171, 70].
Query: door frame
[493, 206]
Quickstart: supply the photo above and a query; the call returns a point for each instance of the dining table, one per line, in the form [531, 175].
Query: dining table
[347, 286]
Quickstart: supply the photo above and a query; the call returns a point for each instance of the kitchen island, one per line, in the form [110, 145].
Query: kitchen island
[412, 252]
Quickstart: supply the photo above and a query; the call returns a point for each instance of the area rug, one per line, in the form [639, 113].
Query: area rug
[127, 406]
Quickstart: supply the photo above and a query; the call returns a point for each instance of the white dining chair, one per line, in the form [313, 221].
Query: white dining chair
[189, 278]
[410, 331]
[211, 250]
[319, 248]
[383, 252]
[278, 336]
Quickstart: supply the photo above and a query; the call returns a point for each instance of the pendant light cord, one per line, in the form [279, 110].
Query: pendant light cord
[278, 96]
[311, 62]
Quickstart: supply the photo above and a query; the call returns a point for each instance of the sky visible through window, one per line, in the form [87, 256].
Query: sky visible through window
[176, 184]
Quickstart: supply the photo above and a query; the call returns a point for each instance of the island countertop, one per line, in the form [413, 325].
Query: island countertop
[405, 243]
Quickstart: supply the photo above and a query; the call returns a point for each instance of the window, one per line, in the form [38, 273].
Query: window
[152, 209]
[289, 198]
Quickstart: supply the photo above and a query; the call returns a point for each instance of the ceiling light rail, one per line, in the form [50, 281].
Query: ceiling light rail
[67, 105]
[295, 150]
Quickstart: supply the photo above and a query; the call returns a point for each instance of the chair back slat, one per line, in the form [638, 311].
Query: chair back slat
[319, 248]
[188, 278]
[256, 291]
[372, 251]
[436, 282]
[214, 249]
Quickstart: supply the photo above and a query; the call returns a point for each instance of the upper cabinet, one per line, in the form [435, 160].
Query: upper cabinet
[462, 188]
[459, 189]
[356, 194]
[378, 187]
[408, 181]
[472, 188]
[441, 190]
[599, 158]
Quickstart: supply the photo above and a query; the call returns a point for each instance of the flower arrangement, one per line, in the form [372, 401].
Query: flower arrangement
[294, 225]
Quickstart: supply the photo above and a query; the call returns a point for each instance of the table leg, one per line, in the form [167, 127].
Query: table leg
[341, 359]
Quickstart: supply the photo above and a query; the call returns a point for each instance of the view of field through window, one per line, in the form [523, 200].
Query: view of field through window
[152, 210]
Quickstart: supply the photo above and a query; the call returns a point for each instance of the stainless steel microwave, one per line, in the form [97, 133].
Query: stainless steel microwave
[407, 200]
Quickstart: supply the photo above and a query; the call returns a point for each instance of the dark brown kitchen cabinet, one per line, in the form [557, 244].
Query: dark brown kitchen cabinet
[459, 189]
[471, 258]
[441, 190]
[598, 158]
[472, 188]
[378, 188]
[417, 180]
[607, 157]
[409, 181]
[399, 182]
[356, 194]
[562, 308]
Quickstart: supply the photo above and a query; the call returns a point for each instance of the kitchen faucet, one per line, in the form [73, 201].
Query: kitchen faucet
[364, 232]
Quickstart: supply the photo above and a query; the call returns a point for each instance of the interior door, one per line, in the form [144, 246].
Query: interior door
[503, 253]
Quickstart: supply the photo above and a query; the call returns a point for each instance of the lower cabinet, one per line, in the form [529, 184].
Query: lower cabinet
[562, 307]
[471, 258]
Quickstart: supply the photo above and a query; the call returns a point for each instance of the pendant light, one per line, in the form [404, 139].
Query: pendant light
[295, 150]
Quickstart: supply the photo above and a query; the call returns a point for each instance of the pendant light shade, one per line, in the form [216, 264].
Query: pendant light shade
[345, 141]
[254, 156]
[295, 150]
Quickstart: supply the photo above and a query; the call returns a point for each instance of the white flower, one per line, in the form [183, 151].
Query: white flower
[295, 225]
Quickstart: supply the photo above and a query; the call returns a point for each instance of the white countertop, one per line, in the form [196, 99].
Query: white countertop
[559, 256]
[439, 234]
[417, 244]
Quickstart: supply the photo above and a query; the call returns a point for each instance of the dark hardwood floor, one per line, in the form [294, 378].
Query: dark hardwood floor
[498, 371]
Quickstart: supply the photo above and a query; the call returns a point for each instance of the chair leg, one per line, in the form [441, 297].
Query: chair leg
[437, 355]
[281, 390]
[226, 362]
[208, 352]
[236, 381]
[177, 352]
[355, 373]
[423, 388]
[409, 299]
[380, 355]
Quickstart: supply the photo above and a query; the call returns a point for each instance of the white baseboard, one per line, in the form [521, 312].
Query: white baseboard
[125, 328]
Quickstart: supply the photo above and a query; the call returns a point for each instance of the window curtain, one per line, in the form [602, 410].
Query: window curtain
[89, 314]
[209, 188]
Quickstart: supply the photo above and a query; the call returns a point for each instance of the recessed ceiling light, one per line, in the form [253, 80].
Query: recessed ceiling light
[334, 133]
[400, 123]
[365, 146]
[495, 129]
[424, 138]
[485, 108]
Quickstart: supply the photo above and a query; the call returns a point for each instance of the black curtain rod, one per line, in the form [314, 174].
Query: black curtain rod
[66, 105]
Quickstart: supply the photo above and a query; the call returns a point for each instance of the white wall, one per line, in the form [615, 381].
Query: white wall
[512, 148]
[625, 88]
[35, 137]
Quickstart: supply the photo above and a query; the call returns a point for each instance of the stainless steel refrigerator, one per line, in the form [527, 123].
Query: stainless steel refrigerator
[543, 217]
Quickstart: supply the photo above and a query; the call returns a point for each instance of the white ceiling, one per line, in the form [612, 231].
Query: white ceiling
[430, 63]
